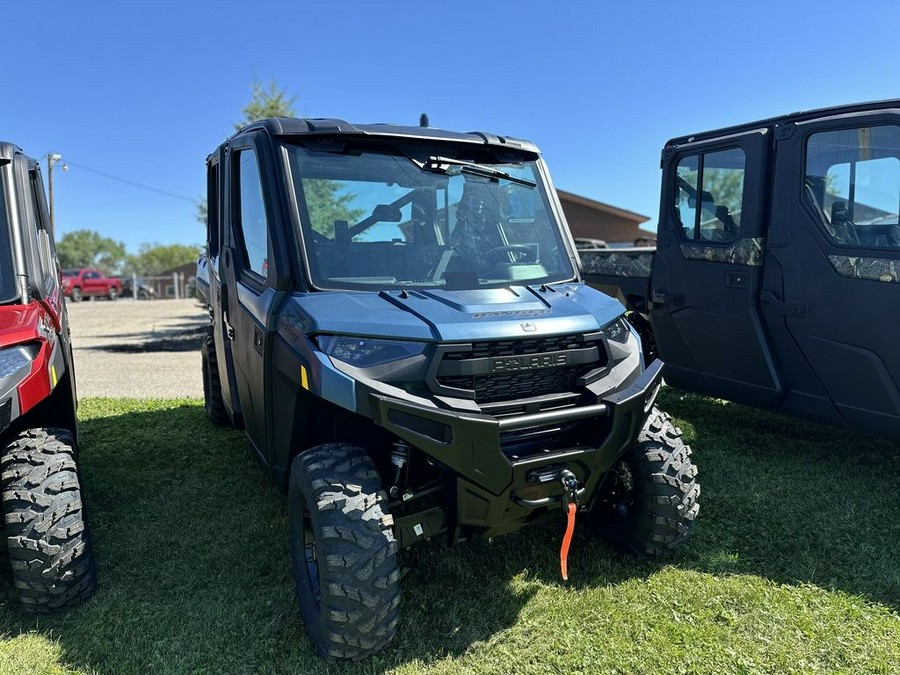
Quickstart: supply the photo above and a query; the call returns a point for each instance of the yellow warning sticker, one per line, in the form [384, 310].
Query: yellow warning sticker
[304, 378]
[53, 377]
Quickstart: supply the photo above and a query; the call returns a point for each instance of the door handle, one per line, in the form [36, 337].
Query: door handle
[229, 330]
[659, 298]
[258, 341]
[790, 309]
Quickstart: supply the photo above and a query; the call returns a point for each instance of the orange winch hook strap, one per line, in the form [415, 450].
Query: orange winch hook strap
[567, 540]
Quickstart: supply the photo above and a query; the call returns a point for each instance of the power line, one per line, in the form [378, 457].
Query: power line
[133, 183]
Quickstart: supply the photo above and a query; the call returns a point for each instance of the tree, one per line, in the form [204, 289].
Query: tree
[154, 259]
[87, 248]
[273, 102]
[202, 211]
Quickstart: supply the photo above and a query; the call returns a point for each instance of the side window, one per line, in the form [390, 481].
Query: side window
[34, 237]
[45, 244]
[852, 182]
[212, 209]
[709, 192]
[252, 224]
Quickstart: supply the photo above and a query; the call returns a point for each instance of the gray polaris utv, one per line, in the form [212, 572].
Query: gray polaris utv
[399, 324]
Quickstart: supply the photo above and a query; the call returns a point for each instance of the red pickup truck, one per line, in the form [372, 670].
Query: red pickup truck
[83, 283]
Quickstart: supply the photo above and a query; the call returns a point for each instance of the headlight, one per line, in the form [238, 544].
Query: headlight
[14, 359]
[616, 331]
[366, 352]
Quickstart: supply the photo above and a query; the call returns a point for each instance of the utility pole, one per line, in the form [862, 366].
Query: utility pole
[52, 159]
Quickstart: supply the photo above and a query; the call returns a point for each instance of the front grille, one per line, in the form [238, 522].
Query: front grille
[530, 379]
[517, 347]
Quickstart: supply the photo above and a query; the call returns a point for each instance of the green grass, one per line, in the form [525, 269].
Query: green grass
[794, 567]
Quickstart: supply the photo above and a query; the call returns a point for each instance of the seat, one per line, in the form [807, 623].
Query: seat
[894, 236]
[845, 231]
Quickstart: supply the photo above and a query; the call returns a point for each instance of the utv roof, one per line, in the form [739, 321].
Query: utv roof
[798, 116]
[7, 150]
[285, 126]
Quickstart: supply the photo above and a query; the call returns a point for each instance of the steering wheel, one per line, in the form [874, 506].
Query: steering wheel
[522, 253]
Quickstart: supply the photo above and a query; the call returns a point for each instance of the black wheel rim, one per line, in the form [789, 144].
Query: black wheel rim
[309, 554]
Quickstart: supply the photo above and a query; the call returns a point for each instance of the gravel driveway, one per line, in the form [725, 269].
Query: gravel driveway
[143, 349]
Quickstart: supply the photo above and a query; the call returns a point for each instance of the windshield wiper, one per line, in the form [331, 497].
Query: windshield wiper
[452, 166]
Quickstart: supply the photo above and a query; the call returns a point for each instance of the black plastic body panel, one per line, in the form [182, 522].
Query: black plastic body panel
[491, 487]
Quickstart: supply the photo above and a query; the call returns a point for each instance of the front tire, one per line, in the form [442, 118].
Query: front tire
[212, 383]
[113, 293]
[343, 551]
[77, 295]
[648, 503]
[48, 541]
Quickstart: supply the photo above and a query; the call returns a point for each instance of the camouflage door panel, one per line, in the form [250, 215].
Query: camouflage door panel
[617, 264]
[748, 252]
[873, 269]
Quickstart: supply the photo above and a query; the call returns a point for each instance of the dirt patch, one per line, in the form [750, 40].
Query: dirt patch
[138, 348]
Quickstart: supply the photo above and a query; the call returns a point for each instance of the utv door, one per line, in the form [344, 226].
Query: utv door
[218, 288]
[707, 270]
[835, 266]
[250, 272]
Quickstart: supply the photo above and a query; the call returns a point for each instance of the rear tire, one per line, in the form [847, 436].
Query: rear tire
[343, 551]
[212, 384]
[48, 541]
[77, 295]
[649, 501]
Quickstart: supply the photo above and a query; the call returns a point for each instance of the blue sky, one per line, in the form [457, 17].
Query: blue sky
[146, 90]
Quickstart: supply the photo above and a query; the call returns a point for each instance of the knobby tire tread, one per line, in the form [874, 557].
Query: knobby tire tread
[48, 542]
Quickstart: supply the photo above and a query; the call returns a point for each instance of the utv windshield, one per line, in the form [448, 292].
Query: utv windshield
[7, 276]
[376, 218]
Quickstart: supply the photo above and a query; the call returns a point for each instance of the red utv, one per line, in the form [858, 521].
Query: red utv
[48, 544]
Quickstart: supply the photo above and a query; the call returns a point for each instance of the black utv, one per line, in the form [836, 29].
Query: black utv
[47, 541]
[400, 325]
[776, 278]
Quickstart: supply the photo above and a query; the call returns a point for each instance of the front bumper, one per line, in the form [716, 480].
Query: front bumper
[495, 489]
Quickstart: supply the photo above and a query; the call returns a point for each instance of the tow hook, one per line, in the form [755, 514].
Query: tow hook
[570, 506]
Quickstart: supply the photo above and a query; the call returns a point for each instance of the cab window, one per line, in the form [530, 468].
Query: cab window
[252, 226]
[852, 184]
[709, 193]
[7, 276]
